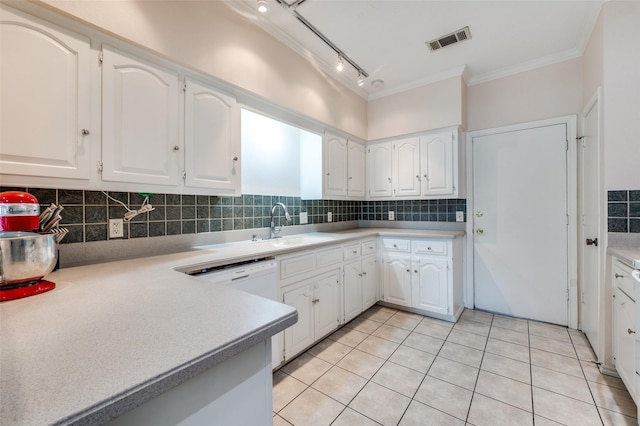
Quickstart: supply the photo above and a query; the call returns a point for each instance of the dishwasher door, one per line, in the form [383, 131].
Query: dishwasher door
[258, 278]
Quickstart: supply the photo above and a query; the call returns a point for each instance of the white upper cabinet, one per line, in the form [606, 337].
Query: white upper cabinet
[379, 179]
[140, 112]
[430, 165]
[406, 167]
[436, 163]
[356, 169]
[212, 139]
[45, 99]
[335, 165]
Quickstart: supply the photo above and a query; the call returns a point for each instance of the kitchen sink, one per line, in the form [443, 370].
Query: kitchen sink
[293, 240]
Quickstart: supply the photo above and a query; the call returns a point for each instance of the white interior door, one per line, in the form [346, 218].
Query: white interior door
[520, 223]
[590, 196]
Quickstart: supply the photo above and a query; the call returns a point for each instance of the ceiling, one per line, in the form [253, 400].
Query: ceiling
[386, 38]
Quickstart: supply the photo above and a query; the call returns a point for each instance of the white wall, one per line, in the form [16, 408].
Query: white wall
[428, 107]
[211, 38]
[546, 92]
[621, 94]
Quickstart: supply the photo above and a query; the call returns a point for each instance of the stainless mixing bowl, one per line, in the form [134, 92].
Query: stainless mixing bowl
[26, 256]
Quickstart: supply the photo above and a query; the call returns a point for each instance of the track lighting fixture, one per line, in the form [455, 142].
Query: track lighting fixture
[262, 6]
[340, 65]
[360, 79]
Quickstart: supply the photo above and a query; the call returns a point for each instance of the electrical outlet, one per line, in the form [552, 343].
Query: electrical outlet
[459, 216]
[329, 217]
[304, 218]
[116, 228]
[392, 215]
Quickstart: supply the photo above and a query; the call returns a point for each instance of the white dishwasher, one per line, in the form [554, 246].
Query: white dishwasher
[259, 277]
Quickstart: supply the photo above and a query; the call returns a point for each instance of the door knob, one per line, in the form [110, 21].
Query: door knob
[592, 242]
[85, 132]
[619, 275]
[479, 231]
[630, 331]
[479, 214]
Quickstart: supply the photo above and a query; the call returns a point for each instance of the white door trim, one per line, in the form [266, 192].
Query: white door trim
[572, 208]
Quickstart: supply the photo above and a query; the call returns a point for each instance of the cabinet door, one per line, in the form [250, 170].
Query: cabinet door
[212, 139]
[406, 167]
[431, 285]
[140, 141]
[624, 339]
[379, 170]
[45, 99]
[352, 290]
[436, 163]
[300, 335]
[335, 165]
[355, 184]
[397, 280]
[327, 304]
[369, 282]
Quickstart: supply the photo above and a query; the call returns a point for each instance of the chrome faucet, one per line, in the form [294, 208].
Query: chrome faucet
[273, 229]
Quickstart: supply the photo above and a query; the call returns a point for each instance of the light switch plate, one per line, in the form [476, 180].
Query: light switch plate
[459, 216]
[329, 217]
[304, 218]
[392, 215]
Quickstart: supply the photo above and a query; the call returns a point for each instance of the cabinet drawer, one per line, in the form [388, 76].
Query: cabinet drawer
[297, 265]
[430, 247]
[330, 256]
[369, 247]
[395, 244]
[352, 251]
[622, 278]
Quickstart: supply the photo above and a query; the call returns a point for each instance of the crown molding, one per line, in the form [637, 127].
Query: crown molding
[525, 66]
[434, 78]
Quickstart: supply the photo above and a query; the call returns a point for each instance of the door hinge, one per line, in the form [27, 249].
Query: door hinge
[184, 175]
[184, 87]
[568, 295]
[100, 167]
[100, 58]
[567, 145]
[567, 219]
[583, 220]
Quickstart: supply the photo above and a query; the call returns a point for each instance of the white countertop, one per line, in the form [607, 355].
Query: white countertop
[631, 256]
[111, 336]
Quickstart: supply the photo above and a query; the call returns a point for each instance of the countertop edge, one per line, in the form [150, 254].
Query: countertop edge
[630, 256]
[132, 398]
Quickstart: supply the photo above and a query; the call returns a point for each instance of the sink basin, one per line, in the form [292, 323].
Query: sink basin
[294, 240]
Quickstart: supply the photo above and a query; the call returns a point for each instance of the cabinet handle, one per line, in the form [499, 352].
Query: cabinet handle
[426, 176]
[630, 331]
[409, 270]
[176, 148]
[355, 251]
[85, 132]
[395, 246]
[479, 231]
[619, 275]
[416, 271]
[235, 158]
[418, 177]
[364, 273]
[389, 179]
[350, 177]
[429, 248]
[327, 173]
[359, 275]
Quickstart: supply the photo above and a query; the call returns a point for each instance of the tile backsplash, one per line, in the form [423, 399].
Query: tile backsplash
[86, 213]
[623, 211]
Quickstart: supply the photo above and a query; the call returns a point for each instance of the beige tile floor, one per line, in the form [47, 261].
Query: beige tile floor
[394, 368]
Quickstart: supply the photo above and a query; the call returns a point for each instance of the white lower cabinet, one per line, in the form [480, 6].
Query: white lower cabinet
[318, 303]
[352, 290]
[396, 276]
[424, 274]
[369, 282]
[624, 334]
[360, 283]
[430, 284]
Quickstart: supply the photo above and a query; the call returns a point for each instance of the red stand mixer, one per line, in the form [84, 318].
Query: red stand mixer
[26, 257]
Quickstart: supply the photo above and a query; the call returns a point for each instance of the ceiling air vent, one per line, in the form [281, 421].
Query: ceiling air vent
[446, 40]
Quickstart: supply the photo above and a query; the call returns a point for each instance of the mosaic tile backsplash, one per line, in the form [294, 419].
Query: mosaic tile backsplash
[623, 209]
[86, 213]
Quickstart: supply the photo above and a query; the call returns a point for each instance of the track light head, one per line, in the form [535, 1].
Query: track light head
[340, 65]
[360, 79]
[262, 6]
